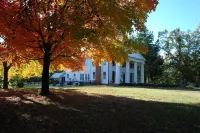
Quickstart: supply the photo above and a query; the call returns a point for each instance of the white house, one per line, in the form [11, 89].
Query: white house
[131, 72]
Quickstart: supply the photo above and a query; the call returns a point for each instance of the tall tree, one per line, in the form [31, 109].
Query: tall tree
[66, 31]
[4, 62]
[182, 54]
[9, 57]
[154, 62]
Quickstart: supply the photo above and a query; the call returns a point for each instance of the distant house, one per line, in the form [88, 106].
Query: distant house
[56, 77]
[107, 73]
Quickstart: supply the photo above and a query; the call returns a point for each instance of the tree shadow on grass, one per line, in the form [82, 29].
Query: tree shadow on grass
[72, 111]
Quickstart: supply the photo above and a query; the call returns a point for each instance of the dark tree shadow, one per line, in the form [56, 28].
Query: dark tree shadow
[72, 111]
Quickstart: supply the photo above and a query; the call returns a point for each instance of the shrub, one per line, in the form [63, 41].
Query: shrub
[16, 82]
[82, 83]
[1, 82]
[54, 82]
[148, 85]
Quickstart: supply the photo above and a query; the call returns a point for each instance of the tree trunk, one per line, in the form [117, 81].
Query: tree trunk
[98, 75]
[45, 75]
[5, 76]
[183, 82]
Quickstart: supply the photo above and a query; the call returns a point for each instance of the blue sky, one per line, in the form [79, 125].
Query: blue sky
[171, 14]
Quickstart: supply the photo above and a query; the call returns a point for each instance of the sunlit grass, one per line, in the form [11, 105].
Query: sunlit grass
[171, 95]
[162, 95]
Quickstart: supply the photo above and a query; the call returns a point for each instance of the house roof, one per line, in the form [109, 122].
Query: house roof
[56, 75]
[137, 56]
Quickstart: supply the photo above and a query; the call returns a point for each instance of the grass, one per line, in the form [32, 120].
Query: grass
[186, 96]
[100, 109]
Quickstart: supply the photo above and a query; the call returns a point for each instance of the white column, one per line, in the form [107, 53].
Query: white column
[117, 74]
[107, 73]
[127, 78]
[91, 71]
[135, 72]
[91, 76]
[142, 73]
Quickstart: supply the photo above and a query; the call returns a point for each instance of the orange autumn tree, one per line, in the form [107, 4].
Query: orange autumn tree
[4, 59]
[67, 31]
[9, 57]
[11, 50]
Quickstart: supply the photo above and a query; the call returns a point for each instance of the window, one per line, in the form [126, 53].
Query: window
[123, 76]
[131, 77]
[81, 76]
[88, 77]
[85, 77]
[94, 75]
[113, 76]
[74, 75]
[104, 75]
[131, 65]
[67, 75]
[63, 79]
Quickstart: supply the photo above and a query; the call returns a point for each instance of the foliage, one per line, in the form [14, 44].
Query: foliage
[154, 62]
[27, 70]
[1, 72]
[17, 82]
[1, 82]
[54, 82]
[149, 85]
[57, 26]
[181, 55]
[10, 55]
[63, 33]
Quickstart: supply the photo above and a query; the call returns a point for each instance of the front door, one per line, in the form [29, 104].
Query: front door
[104, 79]
[113, 76]
[123, 77]
[62, 81]
[131, 77]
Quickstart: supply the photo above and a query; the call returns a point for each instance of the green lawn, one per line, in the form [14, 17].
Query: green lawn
[185, 96]
[100, 109]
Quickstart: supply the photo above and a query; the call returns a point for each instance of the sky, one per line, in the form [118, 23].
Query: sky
[172, 14]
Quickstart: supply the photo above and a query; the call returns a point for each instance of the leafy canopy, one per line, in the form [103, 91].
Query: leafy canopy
[68, 31]
[182, 54]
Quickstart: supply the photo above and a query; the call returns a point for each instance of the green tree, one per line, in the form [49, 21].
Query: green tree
[154, 62]
[181, 55]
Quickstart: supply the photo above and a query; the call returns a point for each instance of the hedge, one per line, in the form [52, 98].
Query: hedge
[149, 85]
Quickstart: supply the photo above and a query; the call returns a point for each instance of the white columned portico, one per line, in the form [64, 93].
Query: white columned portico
[117, 74]
[135, 72]
[142, 73]
[127, 78]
